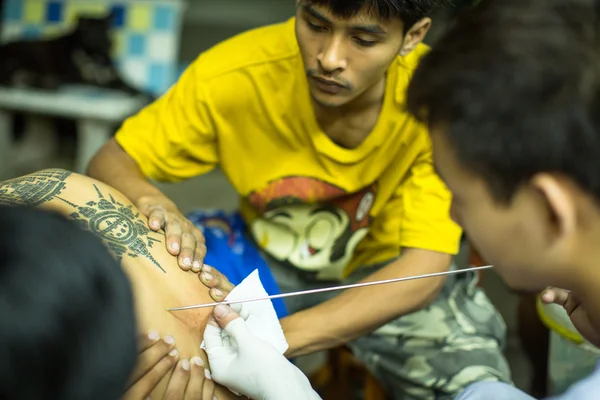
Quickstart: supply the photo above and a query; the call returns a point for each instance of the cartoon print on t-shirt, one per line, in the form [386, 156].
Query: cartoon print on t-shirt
[311, 224]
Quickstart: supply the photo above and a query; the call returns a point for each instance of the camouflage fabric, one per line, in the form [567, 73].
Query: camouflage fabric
[568, 362]
[433, 353]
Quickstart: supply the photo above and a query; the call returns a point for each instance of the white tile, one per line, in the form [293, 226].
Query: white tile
[162, 46]
[135, 71]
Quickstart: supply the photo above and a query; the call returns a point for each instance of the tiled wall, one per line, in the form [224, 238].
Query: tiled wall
[146, 32]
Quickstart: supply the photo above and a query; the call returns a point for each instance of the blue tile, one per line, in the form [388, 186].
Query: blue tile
[13, 10]
[164, 18]
[32, 32]
[159, 78]
[119, 11]
[136, 44]
[54, 11]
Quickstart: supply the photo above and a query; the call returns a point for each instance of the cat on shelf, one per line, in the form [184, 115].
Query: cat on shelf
[82, 56]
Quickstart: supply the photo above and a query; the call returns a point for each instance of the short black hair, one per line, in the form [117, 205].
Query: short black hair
[408, 11]
[68, 325]
[515, 85]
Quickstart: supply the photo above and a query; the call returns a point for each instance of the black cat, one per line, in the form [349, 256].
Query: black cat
[82, 56]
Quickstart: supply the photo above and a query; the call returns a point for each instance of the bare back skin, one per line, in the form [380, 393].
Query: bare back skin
[157, 281]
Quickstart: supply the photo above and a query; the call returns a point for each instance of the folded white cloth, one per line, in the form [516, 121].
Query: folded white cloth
[262, 319]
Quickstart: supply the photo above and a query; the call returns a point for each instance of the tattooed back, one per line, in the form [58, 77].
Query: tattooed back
[158, 282]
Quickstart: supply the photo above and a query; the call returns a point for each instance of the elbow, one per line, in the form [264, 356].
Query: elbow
[431, 290]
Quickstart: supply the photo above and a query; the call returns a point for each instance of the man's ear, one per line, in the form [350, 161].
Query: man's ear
[415, 35]
[560, 202]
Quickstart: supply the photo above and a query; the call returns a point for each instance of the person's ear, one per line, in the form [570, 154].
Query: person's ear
[560, 203]
[415, 35]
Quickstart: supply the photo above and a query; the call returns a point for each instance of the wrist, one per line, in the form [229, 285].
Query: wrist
[295, 339]
[149, 196]
[302, 335]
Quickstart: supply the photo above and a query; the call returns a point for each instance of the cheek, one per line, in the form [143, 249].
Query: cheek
[486, 234]
[370, 66]
[305, 42]
[500, 242]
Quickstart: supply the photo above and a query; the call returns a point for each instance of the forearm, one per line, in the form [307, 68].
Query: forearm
[113, 166]
[359, 311]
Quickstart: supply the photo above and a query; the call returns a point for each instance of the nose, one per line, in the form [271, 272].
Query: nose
[332, 58]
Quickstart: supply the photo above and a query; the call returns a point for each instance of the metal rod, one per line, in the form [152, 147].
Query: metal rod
[330, 289]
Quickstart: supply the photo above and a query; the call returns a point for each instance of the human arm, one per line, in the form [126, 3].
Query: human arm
[248, 365]
[352, 314]
[171, 140]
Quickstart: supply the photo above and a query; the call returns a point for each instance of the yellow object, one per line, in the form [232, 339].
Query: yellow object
[34, 11]
[139, 17]
[245, 105]
[74, 10]
[554, 323]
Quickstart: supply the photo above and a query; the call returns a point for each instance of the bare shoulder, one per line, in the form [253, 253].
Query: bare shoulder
[40, 188]
[95, 206]
[34, 189]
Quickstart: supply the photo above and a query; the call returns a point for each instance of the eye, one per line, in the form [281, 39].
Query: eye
[365, 43]
[315, 27]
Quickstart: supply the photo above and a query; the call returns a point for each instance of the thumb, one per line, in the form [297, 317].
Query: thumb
[556, 296]
[231, 322]
[213, 337]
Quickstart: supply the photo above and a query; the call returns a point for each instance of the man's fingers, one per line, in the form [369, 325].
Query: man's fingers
[219, 284]
[208, 390]
[156, 220]
[556, 296]
[150, 356]
[213, 339]
[147, 340]
[173, 233]
[231, 322]
[144, 386]
[178, 382]
[195, 386]
[188, 249]
[199, 256]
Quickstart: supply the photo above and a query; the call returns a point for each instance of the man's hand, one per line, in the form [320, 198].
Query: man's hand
[157, 357]
[576, 311]
[183, 238]
[190, 381]
[247, 364]
[218, 283]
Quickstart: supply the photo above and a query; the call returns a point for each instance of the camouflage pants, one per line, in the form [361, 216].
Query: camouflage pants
[433, 353]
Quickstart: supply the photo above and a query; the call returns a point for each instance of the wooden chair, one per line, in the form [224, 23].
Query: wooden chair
[343, 377]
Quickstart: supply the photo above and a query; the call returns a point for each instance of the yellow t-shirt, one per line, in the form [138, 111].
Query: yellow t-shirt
[245, 105]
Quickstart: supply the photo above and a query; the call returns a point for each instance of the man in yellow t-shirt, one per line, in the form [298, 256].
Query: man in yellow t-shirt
[306, 119]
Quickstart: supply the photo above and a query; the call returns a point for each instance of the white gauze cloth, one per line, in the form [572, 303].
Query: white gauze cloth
[263, 321]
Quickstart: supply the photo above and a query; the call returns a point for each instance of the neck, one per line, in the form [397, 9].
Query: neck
[372, 97]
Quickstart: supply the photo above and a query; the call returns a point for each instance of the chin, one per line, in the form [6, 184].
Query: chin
[329, 101]
[520, 283]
